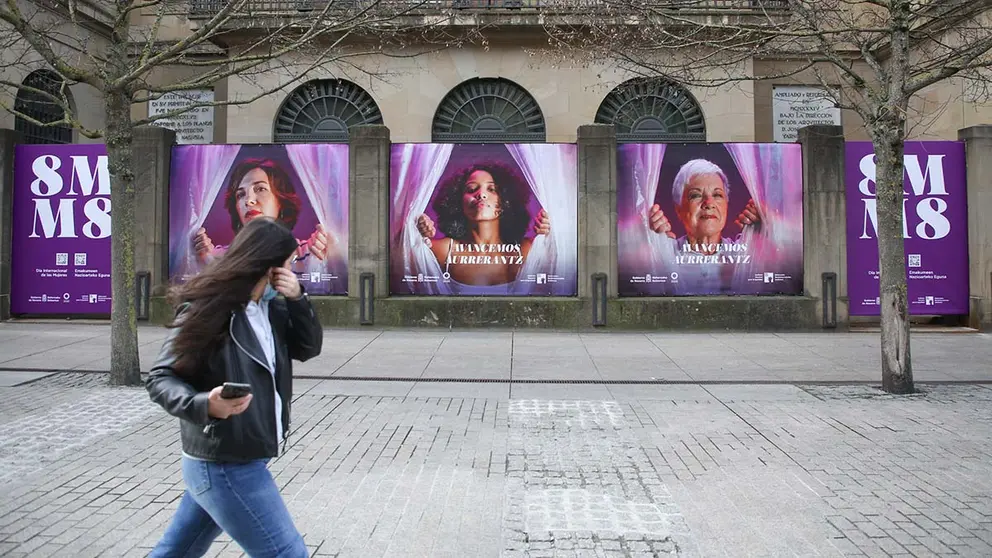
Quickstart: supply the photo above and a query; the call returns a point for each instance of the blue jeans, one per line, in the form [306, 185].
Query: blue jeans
[241, 499]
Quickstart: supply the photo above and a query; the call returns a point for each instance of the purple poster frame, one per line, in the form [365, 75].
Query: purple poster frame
[688, 257]
[310, 185]
[61, 253]
[935, 228]
[441, 195]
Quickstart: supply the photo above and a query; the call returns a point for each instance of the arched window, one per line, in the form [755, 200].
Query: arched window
[323, 110]
[42, 108]
[488, 110]
[653, 110]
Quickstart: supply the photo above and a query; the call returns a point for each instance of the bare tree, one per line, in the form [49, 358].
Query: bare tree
[872, 56]
[151, 48]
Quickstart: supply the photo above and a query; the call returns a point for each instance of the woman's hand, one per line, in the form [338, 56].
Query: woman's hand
[542, 225]
[220, 408]
[202, 244]
[285, 282]
[658, 222]
[319, 242]
[749, 216]
[426, 226]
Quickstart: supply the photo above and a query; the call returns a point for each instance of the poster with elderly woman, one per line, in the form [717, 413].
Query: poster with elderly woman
[483, 220]
[215, 189]
[709, 219]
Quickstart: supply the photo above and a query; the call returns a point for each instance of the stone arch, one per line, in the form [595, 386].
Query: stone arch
[488, 110]
[37, 106]
[653, 110]
[323, 110]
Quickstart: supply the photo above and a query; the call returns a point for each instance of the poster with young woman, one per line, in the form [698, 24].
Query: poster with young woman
[216, 189]
[709, 219]
[483, 220]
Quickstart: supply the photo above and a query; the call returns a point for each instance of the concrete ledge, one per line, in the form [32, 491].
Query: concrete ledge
[737, 313]
[764, 313]
[549, 313]
[542, 313]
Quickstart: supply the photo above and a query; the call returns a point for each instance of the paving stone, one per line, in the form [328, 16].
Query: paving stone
[88, 469]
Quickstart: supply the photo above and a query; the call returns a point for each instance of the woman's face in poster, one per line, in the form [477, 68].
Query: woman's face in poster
[703, 210]
[255, 197]
[480, 198]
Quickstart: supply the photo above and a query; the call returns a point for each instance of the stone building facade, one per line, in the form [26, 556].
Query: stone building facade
[443, 96]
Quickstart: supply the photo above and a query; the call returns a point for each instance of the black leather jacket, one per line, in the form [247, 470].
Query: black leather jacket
[252, 434]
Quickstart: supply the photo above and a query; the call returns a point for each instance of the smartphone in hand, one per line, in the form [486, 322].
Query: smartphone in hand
[232, 390]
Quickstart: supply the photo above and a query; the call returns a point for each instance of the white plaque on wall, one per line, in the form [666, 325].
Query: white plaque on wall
[798, 106]
[193, 126]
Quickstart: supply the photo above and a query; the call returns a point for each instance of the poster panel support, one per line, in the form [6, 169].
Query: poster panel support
[366, 289]
[599, 299]
[829, 299]
[142, 294]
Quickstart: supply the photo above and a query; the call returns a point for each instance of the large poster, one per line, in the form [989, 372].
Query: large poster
[60, 260]
[709, 219]
[215, 189]
[935, 228]
[483, 219]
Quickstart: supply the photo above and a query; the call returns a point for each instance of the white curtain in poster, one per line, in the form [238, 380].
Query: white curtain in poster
[212, 162]
[551, 178]
[420, 169]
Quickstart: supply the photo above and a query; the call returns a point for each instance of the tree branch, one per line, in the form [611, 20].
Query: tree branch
[12, 15]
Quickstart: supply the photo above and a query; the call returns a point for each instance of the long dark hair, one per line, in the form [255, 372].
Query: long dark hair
[208, 299]
[282, 189]
[513, 197]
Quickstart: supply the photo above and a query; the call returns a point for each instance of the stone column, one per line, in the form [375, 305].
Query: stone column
[8, 139]
[597, 212]
[824, 215]
[152, 166]
[368, 208]
[978, 156]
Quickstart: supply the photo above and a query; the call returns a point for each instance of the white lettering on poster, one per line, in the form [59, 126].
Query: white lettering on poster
[798, 106]
[93, 181]
[476, 259]
[713, 254]
[930, 209]
[193, 126]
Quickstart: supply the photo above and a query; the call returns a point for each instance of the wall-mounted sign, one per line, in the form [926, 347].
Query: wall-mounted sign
[193, 126]
[934, 227]
[60, 260]
[798, 106]
[709, 219]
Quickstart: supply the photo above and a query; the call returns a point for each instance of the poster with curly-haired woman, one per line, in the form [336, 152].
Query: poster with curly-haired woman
[483, 219]
[215, 189]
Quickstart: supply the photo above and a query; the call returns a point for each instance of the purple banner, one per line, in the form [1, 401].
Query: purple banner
[483, 219]
[935, 228]
[215, 189]
[61, 230]
[709, 219]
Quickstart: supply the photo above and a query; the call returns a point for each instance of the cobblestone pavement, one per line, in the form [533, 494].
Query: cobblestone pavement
[678, 470]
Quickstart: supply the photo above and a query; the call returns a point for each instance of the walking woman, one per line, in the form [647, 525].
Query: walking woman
[231, 328]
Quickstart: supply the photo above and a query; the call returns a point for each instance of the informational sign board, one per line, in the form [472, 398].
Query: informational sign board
[196, 126]
[798, 106]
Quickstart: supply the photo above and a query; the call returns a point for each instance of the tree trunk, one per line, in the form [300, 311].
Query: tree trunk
[125, 368]
[897, 370]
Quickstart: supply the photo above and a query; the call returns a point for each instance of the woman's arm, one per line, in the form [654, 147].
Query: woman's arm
[173, 393]
[305, 335]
